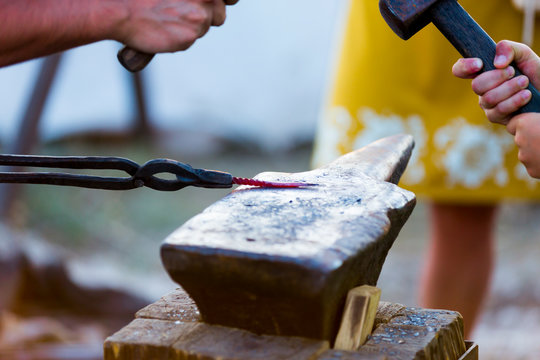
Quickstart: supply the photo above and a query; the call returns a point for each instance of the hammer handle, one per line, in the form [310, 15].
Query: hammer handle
[472, 41]
[133, 60]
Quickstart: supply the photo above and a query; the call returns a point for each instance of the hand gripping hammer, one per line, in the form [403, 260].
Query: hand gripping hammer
[407, 17]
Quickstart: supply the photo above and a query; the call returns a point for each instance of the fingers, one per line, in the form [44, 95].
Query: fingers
[505, 91]
[218, 10]
[491, 79]
[159, 26]
[508, 51]
[218, 13]
[525, 59]
[503, 111]
[194, 19]
[504, 54]
[204, 14]
[500, 94]
[467, 68]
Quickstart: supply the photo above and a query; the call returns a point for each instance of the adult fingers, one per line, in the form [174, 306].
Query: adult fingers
[199, 16]
[467, 68]
[218, 13]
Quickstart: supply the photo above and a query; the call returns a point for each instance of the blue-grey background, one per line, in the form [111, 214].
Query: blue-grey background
[259, 76]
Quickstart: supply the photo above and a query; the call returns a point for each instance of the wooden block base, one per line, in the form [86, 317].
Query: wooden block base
[171, 329]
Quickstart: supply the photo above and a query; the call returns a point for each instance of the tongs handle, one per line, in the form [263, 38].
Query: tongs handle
[133, 60]
[144, 175]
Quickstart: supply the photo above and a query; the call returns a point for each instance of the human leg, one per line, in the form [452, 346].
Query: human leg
[459, 262]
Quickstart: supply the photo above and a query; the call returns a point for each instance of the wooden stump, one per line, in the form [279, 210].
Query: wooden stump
[281, 261]
[170, 329]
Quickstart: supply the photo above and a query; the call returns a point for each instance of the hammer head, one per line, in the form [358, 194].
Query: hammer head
[406, 17]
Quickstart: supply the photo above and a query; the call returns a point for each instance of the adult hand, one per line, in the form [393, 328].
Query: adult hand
[32, 28]
[154, 26]
[500, 93]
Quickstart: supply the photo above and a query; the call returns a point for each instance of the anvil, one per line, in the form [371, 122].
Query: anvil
[281, 261]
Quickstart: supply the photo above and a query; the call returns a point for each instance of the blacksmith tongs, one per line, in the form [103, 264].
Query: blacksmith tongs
[139, 175]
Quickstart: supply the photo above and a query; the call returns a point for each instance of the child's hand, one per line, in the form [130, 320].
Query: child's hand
[500, 93]
[526, 131]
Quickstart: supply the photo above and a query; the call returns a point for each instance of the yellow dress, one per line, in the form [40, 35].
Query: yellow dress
[385, 85]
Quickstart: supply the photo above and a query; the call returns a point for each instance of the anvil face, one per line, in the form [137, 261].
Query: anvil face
[280, 261]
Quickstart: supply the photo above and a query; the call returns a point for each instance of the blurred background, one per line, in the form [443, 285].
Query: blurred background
[244, 99]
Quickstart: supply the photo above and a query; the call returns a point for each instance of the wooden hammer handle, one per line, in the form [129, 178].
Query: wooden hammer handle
[472, 41]
[133, 60]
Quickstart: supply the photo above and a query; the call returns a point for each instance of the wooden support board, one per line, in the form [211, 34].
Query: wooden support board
[170, 329]
[358, 317]
[281, 261]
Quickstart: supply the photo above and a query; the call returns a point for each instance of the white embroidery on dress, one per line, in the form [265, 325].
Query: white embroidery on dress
[471, 154]
[335, 123]
[378, 126]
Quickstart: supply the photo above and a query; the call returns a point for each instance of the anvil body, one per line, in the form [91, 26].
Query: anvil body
[281, 261]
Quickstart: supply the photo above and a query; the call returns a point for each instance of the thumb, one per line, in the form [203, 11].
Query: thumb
[525, 59]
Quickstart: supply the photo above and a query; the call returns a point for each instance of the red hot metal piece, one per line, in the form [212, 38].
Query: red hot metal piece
[269, 184]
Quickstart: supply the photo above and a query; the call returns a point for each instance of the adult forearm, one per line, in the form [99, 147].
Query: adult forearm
[33, 28]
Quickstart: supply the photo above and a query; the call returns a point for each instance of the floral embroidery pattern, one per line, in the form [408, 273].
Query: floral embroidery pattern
[378, 126]
[458, 154]
[337, 121]
[471, 154]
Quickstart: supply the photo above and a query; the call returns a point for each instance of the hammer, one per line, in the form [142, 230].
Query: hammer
[407, 17]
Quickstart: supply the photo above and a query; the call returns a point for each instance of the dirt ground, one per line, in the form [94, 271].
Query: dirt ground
[113, 238]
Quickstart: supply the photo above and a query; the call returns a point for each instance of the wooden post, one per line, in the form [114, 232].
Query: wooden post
[171, 329]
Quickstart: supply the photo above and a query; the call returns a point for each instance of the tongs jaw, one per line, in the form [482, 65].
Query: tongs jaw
[186, 175]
